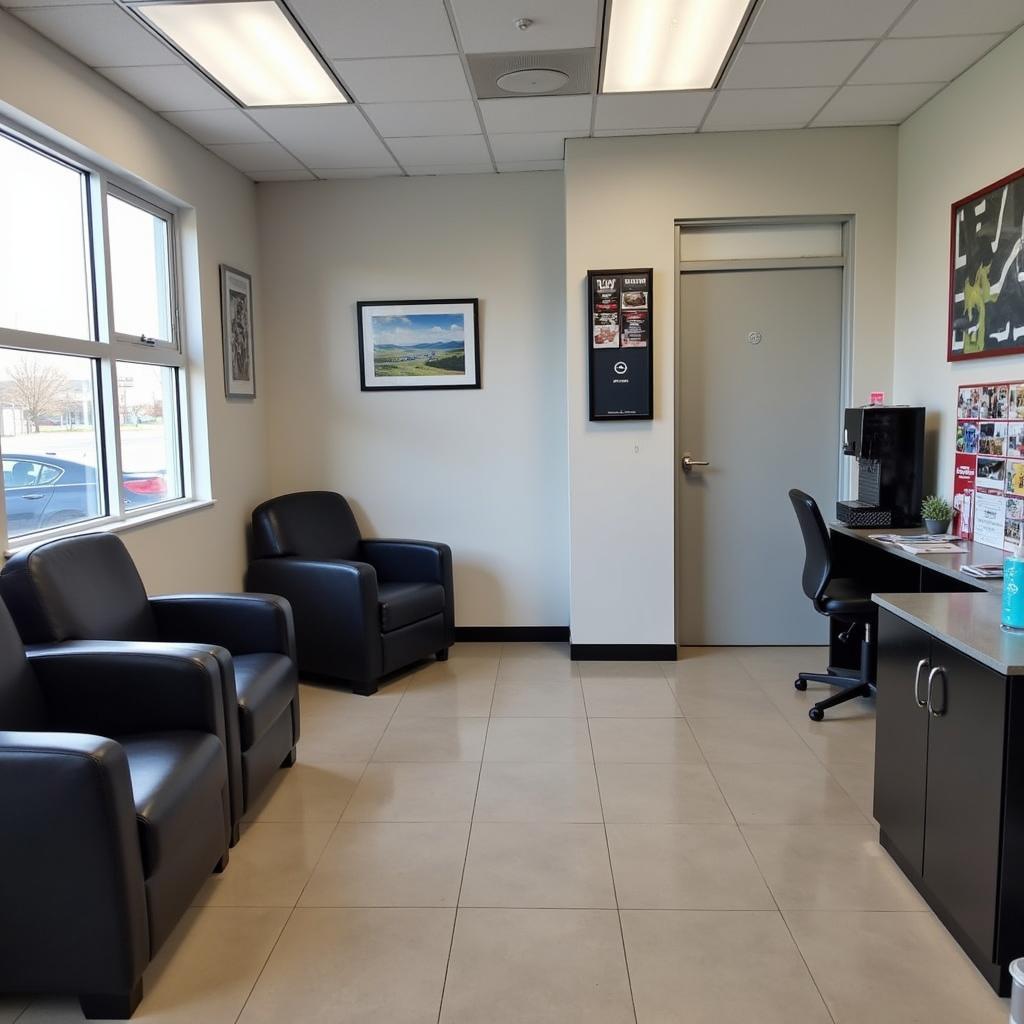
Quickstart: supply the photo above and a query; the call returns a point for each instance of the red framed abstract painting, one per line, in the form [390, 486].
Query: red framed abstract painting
[986, 274]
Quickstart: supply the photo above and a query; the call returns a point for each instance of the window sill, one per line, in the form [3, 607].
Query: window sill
[113, 525]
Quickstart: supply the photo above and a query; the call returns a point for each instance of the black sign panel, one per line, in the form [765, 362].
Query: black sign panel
[621, 344]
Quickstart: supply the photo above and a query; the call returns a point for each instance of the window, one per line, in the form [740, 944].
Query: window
[92, 373]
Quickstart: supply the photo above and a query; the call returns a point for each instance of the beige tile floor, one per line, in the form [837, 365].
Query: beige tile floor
[511, 837]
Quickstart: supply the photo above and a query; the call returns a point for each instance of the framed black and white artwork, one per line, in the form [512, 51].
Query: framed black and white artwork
[237, 329]
[419, 344]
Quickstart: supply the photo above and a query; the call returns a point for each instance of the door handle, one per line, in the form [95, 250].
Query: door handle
[33, 497]
[937, 671]
[689, 463]
[917, 684]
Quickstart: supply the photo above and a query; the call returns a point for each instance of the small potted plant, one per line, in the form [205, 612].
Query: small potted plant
[936, 513]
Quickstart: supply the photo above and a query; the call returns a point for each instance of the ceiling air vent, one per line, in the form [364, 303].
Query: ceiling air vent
[545, 73]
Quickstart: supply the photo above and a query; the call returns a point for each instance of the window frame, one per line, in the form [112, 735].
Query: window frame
[106, 349]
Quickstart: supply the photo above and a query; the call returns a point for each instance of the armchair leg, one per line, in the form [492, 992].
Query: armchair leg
[221, 865]
[236, 834]
[365, 689]
[442, 655]
[111, 1005]
[290, 758]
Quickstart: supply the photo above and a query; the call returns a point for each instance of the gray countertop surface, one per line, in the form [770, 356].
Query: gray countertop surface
[968, 621]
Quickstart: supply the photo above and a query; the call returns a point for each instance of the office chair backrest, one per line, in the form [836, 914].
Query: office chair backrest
[817, 547]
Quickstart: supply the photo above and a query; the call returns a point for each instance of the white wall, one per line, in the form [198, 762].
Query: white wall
[622, 198]
[484, 471]
[203, 549]
[965, 138]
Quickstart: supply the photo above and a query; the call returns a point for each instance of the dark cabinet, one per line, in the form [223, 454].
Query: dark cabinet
[965, 790]
[901, 737]
[941, 761]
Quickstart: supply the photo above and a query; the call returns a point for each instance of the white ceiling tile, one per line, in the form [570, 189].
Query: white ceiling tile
[749, 109]
[50, 3]
[391, 79]
[451, 169]
[330, 136]
[169, 87]
[788, 65]
[922, 60]
[609, 133]
[489, 26]
[280, 175]
[537, 114]
[440, 150]
[101, 35]
[447, 117]
[956, 17]
[335, 173]
[217, 126]
[532, 165]
[257, 156]
[376, 28]
[780, 21]
[520, 147]
[652, 109]
[876, 104]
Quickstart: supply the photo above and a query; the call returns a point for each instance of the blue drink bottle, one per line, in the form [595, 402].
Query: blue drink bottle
[1013, 589]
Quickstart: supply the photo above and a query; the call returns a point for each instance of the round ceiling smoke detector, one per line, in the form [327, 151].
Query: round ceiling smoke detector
[532, 80]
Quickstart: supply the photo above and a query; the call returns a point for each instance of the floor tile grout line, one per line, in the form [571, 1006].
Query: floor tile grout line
[469, 839]
[298, 898]
[611, 869]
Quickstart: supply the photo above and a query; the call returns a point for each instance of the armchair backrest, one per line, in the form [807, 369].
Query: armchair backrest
[21, 703]
[77, 588]
[307, 524]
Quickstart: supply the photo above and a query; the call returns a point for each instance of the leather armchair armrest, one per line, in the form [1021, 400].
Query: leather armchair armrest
[116, 687]
[416, 561]
[336, 610]
[241, 623]
[74, 902]
[409, 561]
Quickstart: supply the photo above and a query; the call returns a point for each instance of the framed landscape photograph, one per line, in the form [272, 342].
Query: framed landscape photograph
[418, 344]
[986, 274]
[236, 326]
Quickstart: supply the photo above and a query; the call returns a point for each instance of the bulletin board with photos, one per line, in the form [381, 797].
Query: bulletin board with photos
[988, 486]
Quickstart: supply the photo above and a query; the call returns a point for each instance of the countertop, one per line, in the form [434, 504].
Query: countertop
[968, 621]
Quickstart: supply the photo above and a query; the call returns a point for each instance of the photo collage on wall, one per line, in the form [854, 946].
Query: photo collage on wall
[621, 311]
[988, 486]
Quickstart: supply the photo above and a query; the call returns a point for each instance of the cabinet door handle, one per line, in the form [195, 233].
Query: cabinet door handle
[936, 712]
[917, 683]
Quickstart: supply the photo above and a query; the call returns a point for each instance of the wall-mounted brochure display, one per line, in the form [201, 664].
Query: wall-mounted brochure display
[988, 485]
[621, 344]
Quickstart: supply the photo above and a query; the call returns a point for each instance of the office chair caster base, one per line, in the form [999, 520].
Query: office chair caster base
[800, 684]
[816, 715]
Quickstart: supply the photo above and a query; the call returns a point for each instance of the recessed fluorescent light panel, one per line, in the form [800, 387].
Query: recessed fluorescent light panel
[250, 47]
[656, 45]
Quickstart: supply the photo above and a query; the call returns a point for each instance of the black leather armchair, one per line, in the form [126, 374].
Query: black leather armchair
[114, 803]
[363, 608]
[87, 588]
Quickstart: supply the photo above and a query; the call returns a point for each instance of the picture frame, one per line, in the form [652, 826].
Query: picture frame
[236, 318]
[986, 272]
[419, 345]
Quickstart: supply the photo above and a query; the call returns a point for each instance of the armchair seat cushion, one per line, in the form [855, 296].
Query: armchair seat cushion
[177, 777]
[402, 604]
[265, 684]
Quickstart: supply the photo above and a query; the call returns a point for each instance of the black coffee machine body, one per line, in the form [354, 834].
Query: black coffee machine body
[888, 444]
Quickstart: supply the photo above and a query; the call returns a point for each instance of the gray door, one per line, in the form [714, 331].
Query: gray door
[759, 384]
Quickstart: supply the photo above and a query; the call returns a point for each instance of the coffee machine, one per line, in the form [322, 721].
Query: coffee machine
[888, 443]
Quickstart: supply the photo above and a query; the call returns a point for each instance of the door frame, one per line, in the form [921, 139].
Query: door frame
[843, 261]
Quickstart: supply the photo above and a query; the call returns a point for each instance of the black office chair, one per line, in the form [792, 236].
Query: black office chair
[841, 599]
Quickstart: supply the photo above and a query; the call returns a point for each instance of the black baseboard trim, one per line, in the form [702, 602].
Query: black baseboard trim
[623, 652]
[512, 634]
